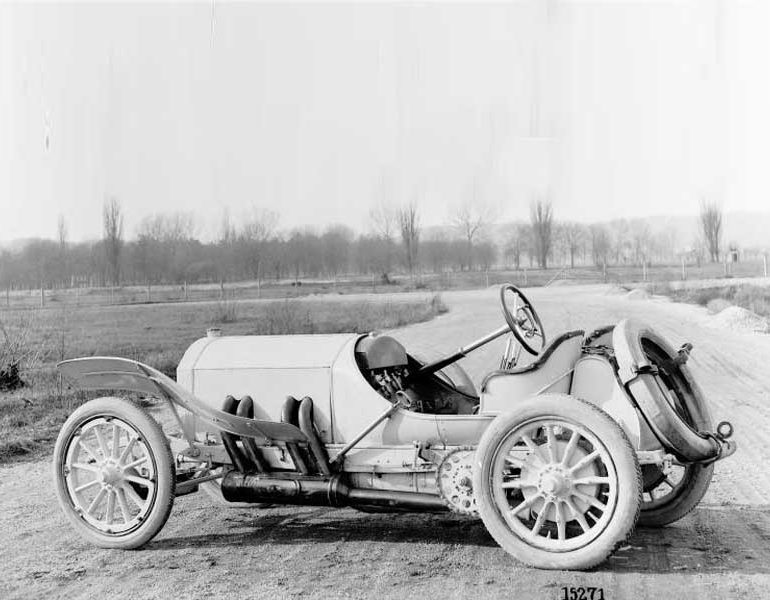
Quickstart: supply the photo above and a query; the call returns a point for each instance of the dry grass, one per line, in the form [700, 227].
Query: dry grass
[716, 299]
[157, 334]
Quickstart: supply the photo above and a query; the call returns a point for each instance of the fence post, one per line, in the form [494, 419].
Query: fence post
[42, 296]
[764, 263]
[684, 272]
[487, 277]
[185, 291]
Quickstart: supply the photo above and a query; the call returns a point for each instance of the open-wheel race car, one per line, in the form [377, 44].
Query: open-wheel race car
[559, 457]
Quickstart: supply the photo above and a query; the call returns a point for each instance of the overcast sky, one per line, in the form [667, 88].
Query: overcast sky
[612, 109]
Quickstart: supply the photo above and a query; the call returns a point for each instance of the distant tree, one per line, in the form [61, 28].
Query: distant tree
[335, 248]
[641, 240]
[541, 218]
[112, 219]
[620, 240]
[518, 243]
[384, 220]
[470, 217]
[711, 227]
[409, 226]
[600, 244]
[252, 241]
[572, 235]
[61, 234]
[485, 254]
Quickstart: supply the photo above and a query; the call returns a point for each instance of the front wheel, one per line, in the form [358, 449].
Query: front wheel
[557, 483]
[114, 473]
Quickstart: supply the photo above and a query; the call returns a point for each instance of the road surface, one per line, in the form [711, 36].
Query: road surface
[721, 550]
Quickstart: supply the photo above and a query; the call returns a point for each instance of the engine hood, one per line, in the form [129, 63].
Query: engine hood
[264, 352]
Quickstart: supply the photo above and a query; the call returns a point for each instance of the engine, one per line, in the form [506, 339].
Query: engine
[384, 363]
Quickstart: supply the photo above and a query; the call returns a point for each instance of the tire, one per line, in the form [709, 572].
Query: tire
[115, 495]
[513, 475]
[694, 479]
[687, 494]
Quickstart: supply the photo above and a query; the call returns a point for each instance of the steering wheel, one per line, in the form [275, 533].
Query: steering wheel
[523, 321]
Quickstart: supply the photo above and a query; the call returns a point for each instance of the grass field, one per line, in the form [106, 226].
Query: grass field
[156, 334]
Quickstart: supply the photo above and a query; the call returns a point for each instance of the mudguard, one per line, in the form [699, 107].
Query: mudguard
[112, 373]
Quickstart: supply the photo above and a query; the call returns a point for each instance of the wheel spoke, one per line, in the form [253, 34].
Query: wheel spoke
[571, 445]
[524, 505]
[144, 482]
[517, 484]
[561, 523]
[95, 502]
[579, 517]
[540, 521]
[85, 486]
[85, 467]
[121, 494]
[586, 460]
[87, 448]
[110, 506]
[100, 440]
[591, 500]
[532, 446]
[551, 443]
[668, 482]
[127, 450]
[115, 440]
[591, 480]
[133, 496]
[135, 463]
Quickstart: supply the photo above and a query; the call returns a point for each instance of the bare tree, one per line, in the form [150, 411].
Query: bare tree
[641, 238]
[541, 217]
[600, 244]
[573, 235]
[61, 234]
[409, 226]
[112, 218]
[711, 227]
[384, 222]
[257, 229]
[470, 217]
[519, 242]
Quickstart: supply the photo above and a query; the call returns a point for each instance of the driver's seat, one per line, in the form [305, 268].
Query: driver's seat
[551, 371]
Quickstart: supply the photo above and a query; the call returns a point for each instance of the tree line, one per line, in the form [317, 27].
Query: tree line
[166, 250]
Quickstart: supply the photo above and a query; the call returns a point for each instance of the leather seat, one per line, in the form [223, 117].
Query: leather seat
[552, 366]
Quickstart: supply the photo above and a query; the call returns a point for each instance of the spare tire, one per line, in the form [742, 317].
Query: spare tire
[647, 368]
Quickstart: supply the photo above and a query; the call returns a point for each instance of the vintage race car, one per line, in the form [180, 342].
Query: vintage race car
[558, 457]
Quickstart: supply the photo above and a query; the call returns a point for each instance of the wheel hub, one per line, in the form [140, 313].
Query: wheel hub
[554, 483]
[110, 474]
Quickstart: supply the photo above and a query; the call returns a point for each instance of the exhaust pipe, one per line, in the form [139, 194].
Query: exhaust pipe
[242, 487]
[246, 409]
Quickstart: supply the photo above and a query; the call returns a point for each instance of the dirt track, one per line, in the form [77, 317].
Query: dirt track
[721, 550]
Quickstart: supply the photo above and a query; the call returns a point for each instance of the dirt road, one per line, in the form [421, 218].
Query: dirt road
[721, 550]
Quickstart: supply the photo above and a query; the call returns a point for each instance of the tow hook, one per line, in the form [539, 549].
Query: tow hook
[721, 437]
[724, 430]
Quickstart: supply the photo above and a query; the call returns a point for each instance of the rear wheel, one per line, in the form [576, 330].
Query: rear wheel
[557, 483]
[114, 473]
